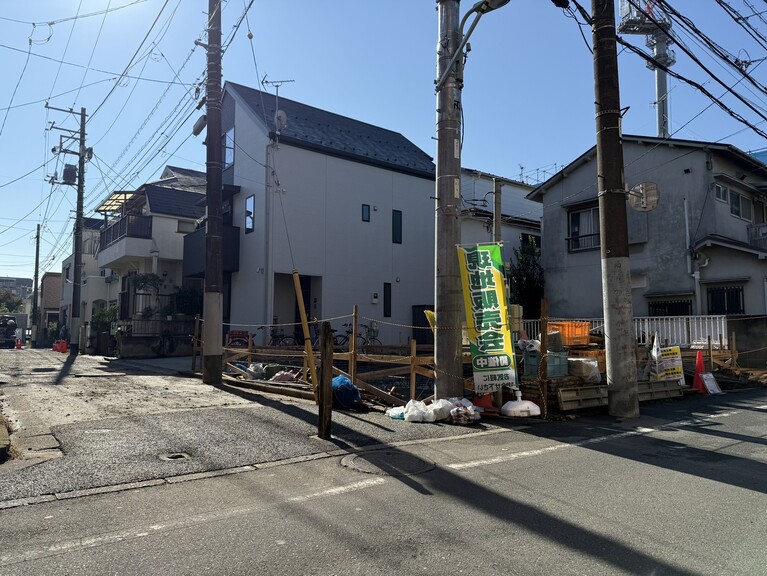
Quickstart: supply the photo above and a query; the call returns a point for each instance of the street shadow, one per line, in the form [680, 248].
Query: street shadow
[65, 370]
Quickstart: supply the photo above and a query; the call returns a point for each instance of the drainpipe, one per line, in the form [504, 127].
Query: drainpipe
[268, 272]
[687, 237]
[765, 293]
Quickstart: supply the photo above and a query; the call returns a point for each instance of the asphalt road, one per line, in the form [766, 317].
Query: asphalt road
[680, 490]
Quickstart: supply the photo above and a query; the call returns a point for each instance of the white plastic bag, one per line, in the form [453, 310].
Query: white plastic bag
[441, 409]
[397, 412]
[415, 411]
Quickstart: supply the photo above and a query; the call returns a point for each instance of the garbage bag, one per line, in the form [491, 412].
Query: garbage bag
[416, 411]
[345, 393]
[397, 412]
[441, 409]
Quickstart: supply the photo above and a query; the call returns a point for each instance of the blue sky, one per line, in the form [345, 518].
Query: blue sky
[528, 98]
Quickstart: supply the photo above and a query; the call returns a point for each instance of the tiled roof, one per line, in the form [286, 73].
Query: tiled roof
[337, 135]
[172, 202]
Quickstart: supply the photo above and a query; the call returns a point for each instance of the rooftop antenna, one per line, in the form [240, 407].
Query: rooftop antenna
[280, 118]
[656, 26]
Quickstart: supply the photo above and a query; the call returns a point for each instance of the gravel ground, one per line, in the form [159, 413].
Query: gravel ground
[88, 422]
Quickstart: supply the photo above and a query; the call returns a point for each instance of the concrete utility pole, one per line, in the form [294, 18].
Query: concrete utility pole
[448, 358]
[213, 304]
[74, 335]
[35, 319]
[82, 154]
[622, 395]
[448, 299]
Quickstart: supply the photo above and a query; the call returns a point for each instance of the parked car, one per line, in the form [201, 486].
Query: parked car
[7, 331]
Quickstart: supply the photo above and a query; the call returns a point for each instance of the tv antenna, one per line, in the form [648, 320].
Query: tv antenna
[280, 118]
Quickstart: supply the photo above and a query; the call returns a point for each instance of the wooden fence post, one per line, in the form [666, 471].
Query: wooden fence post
[325, 389]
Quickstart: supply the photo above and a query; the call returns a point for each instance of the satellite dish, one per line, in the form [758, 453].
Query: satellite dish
[280, 120]
[644, 196]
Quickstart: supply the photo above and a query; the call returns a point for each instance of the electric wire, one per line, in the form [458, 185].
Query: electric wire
[23, 70]
[66, 48]
[93, 51]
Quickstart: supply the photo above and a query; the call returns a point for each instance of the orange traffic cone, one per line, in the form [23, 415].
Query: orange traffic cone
[697, 382]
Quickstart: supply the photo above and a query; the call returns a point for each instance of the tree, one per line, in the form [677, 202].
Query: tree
[527, 278]
[9, 302]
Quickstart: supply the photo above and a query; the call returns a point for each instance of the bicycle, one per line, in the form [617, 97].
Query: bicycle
[365, 338]
[279, 338]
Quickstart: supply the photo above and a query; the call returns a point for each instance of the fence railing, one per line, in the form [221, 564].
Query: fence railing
[161, 327]
[683, 331]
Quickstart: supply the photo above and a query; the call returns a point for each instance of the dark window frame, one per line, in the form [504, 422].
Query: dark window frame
[387, 299]
[726, 299]
[583, 236]
[227, 148]
[396, 226]
[366, 212]
[250, 214]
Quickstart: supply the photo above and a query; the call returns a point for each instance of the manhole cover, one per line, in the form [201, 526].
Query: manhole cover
[387, 463]
[171, 456]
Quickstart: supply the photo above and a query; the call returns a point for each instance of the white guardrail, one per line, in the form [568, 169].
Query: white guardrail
[683, 331]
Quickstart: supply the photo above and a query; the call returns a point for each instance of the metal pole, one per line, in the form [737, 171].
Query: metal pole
[447, 290]
[74, 334]
[35, 319]
[661, 55]
[498, 239]
[213, 308]
[622, 396]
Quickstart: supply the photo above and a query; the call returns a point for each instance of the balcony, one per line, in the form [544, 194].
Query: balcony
[134, 226]
[129, 237]
[757, 236]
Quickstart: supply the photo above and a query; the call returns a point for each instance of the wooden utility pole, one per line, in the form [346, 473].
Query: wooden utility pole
[622, 393]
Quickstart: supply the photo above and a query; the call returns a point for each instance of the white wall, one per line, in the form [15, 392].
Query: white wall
[320, 199]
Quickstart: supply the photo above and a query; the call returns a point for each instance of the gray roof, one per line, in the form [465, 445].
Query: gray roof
[92, 223]
[322, 131]
[172, 202]
[755, 166]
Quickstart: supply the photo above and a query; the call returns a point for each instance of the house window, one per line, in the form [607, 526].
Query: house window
[366, 212]
[584, 229]
[250, 214]
[740, 206]
[671, 308]
[227, 141]
[396, 226]
[387, 300]
[185, 227]
[725, 300]
[720, 192]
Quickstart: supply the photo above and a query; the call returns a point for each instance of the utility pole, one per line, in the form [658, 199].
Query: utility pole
[622, 395]
[448, 358]
[35, 319]
[213, 305]
[74, 316]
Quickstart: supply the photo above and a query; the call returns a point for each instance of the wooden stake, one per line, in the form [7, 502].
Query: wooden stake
[325, 392]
